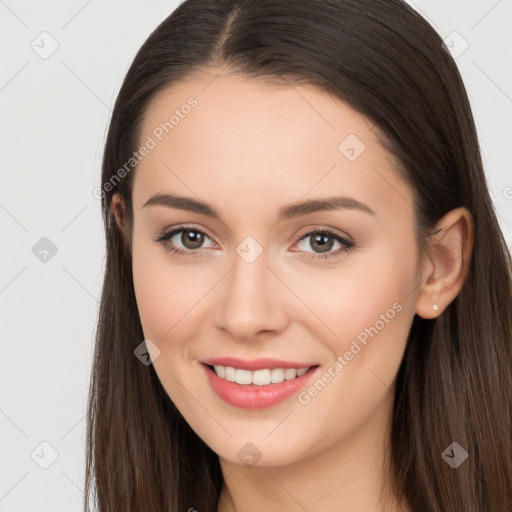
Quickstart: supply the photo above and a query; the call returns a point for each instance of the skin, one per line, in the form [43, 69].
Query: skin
[247, 149]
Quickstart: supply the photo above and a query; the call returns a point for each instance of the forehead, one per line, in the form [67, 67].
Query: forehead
[259, 140]
[233, 107]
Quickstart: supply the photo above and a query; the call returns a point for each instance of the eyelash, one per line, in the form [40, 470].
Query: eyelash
[165, 238]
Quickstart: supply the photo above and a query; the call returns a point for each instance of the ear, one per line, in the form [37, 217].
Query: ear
[447, 262]
[118, 209]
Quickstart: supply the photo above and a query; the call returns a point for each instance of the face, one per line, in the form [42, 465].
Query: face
[257, 285]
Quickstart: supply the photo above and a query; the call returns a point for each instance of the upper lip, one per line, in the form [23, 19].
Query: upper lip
[255, 364]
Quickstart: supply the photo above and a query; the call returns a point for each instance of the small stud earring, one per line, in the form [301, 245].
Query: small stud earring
[435, 306]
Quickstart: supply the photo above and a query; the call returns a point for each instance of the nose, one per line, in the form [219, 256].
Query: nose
[252, 301]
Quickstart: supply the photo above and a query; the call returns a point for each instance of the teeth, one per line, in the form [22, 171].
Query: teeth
[261, 377]
[229, 373]
[290, 373]
[243, 377]
[276, 375]
[258, 377]
[220, 371]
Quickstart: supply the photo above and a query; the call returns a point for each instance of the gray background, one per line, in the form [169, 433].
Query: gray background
[54, 111]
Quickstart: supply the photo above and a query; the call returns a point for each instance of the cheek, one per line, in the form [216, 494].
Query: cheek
[160, 293]
[370, 313]
[372, 288]
[152, 292]
[166, 297]
[170, 296]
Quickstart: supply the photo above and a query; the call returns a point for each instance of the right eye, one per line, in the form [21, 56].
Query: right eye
[190, 239]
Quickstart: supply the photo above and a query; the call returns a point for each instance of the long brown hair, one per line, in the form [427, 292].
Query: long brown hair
[455, 380]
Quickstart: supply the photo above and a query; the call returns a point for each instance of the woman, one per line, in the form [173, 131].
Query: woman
[307, 297]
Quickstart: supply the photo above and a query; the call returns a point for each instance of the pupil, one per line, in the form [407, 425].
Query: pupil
[323, 241]
[192, 237]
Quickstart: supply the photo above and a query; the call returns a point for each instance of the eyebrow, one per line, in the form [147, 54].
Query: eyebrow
[286, 212]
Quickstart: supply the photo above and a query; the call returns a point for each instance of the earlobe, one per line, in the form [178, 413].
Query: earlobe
[449, 255]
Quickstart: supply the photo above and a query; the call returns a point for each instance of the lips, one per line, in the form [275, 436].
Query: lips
[257, 364]
[243, 392]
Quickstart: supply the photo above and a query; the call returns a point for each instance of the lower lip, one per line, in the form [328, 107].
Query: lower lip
[251, 396]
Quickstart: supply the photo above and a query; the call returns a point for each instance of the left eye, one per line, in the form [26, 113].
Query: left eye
[193, 239]
[323, 240]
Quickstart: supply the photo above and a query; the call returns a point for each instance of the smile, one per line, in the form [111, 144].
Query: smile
[259, 377]
[256, 384]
